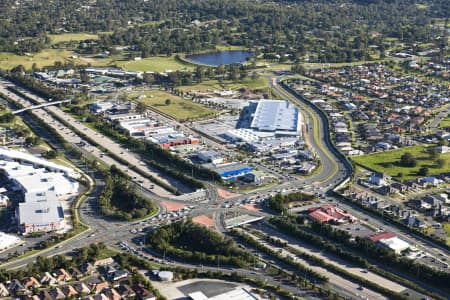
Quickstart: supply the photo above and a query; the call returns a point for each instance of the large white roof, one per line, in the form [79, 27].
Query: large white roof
[9, 154]
[237, 294]
[7, 240]
[40, 212]
[275, 115]
[40, 182]
[395, 244]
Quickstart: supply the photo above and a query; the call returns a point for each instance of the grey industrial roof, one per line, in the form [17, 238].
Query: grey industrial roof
[275, 115]
[40, 212]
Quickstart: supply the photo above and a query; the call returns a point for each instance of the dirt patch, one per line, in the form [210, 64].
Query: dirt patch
[251, 207]
[172, 206]
[206, 220]
[223, 194]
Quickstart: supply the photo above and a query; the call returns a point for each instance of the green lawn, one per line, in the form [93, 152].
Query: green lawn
[387, 162]
[446, 227]
[178, 108]
[155, 64]
[67, 37]
[211, 85]
[44, 58]
[445, 123]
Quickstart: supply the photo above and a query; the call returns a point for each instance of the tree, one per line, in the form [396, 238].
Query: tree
[167, 102]
[141, 108]
[434, 154]
[408, 160]
[440, 162]
[255, 75]
[424, 171]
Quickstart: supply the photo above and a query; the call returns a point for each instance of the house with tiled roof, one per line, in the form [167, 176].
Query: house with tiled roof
[69, 291]
[30, 282]
[57, 294]
[98, 287]
[62, 275]
[81, 288]
[112, 294]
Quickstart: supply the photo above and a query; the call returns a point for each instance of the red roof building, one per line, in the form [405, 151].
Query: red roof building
[330, 213]
[381, 236]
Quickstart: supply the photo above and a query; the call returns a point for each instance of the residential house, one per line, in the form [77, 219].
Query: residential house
[69, 291]
[386, 190]
[57, 294]
[62, 275]
[98, 287]
[378, 179]
[413, 221]
[443, 198]
[142, 293]
[443, 149]
[101, 297]
[3, 290]
[400, 187]
[15, 287]
[433, 180]
[88, 268]
[87, 298]
[76, 273]
[31, 297]
[81, 288]
[112, 294]
[30, 282]
[45, 295]
[48, 279]
[125, 291]
[419, 204]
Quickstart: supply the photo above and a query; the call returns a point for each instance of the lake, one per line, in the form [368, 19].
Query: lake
[220, 58]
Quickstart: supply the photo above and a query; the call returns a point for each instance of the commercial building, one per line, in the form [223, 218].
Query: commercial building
[331, 214]
[31, 181]
[40, 183]
[236, 294]
[231, 171]
[138, 127]
[279, 117]
[25, 158]
[389, 241]
[211, 157]
[167, 140]
[40, 215]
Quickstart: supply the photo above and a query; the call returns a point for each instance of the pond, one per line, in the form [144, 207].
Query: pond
[220, 58]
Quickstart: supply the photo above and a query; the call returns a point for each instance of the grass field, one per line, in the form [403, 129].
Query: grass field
[211, 85]
[43, 58]
[446, 227]
[387, 162]
[445, 123]
[67, 37]
[155, 64]
[178, 108]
